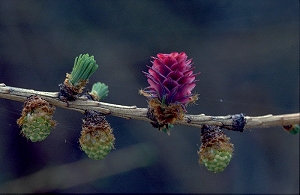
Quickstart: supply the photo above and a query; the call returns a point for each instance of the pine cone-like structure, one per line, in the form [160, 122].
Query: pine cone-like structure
[36, 120]
[96, 138]
[171, 78]
[216, 150]
[171, 81]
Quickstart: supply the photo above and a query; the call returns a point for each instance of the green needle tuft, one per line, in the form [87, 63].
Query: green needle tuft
[99, 91]
[84, 67]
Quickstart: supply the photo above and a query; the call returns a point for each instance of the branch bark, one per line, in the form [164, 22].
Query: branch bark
[133, 112]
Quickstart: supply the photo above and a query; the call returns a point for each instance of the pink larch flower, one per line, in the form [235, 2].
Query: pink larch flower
[171, 78]
[171, 81]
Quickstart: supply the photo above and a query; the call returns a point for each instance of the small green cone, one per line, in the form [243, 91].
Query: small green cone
[36, 120]
[96, 145]
[218, 159]
[36, 127]
[216, 150]
[96, 138]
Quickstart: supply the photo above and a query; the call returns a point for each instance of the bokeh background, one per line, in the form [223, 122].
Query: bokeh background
[248, 56]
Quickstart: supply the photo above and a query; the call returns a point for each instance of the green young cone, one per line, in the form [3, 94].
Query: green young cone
[36, 120]
[97, 145]
[217, 160]
[37, 126]
[215, 151]
[96, 138]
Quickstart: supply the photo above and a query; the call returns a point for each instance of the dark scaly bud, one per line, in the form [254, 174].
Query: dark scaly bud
[96, 138]
[36, 120]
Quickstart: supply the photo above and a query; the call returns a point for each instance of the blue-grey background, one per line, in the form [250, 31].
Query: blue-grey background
[248, 56]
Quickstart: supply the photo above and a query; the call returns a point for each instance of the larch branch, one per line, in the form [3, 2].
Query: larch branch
[133, 112]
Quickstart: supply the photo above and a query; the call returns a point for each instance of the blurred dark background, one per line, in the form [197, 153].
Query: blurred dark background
[248, 56]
